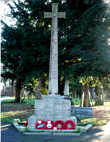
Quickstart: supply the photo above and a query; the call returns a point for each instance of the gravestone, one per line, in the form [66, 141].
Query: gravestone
[82, 112]
[52, 106]
[66, 89]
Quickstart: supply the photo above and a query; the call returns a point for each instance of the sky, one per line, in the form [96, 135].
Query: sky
[4, 8]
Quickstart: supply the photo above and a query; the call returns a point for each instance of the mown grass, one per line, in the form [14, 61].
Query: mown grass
[95, 121]
[8, 113]
[101, 120]
[11, 99]
[77, 101]
[10, 116]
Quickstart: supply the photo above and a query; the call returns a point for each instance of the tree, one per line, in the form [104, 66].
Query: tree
[23, 55]
[11, 58]
[83, 48]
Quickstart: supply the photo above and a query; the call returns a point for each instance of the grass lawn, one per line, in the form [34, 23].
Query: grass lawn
[10, 111]
[25, 100]
[101, 115]
[75, 101]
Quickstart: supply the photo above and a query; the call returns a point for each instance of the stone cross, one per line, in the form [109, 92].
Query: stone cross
[53, 65]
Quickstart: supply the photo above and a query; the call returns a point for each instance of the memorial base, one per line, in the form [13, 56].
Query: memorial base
[51, 107]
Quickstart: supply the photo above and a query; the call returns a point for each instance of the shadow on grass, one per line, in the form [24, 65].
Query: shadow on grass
[10, 111]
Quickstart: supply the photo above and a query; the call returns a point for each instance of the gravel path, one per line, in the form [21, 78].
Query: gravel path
[10, 134]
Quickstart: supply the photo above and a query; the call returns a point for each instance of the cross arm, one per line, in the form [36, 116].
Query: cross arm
[61, 14]
[47, 15]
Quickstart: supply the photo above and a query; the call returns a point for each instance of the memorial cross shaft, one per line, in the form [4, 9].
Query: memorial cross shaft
[53, 65]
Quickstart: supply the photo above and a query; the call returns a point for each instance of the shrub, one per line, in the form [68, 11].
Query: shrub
[99, 102]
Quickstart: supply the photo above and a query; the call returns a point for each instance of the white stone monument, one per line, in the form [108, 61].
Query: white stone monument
[52, 106]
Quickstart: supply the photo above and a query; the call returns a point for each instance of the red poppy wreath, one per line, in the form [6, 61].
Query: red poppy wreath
[61, 123]
[40, 124]
[49, 124]
[72, 124]
[25, 125]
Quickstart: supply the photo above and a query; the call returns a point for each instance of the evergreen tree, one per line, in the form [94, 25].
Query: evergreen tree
[83, 48]
[86, 30]
[24, 46]
[86, 46]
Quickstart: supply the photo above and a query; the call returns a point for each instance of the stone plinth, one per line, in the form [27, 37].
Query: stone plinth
[51, 107]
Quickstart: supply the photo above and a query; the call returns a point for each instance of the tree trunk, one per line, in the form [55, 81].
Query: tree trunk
[29, 98]
[74, 94]
[12, 86]
[99, 96]
[61, 85]
[37, 93]
[41, 85]
[4, 90]
[86, 102]
[18, 88]
[82, 99]
[92, 92]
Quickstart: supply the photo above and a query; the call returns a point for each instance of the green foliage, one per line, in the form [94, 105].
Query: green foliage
[31, 85]
[44, 91]
[24, 55]
[84, 39]
[75, 101]
[99, 102]
[91, 81]
[75, 84]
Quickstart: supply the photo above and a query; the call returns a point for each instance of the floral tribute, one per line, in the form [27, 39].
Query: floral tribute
[71, 123]
[58, 125]
[25, 125]
[61, 123]
[49, 124]
[40, 124]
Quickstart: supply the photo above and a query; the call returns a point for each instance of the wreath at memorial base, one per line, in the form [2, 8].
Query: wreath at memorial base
[40, 124]
[25, 125]
[61, 123]
[71, 123]
[49, 124]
